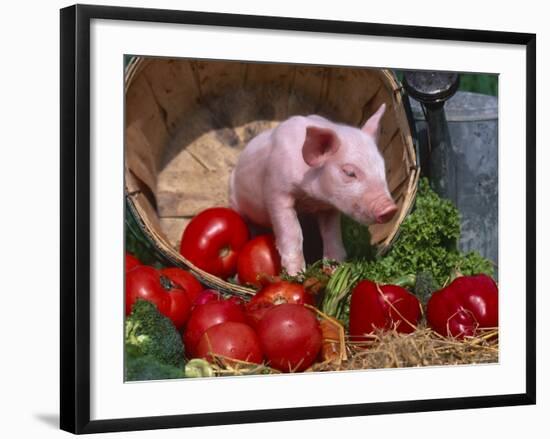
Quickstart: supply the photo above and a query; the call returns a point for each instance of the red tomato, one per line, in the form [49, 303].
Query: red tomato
[274, 294]
[230, 339]
[237, 301]
[290, 337]
[144, 282]
[213, 239]
[147, 283]
[131, 262]
[209, 295]
[467, 304]
[180, 307]
[185, 280]
[206, 296]
[206, 316]
[258, 260]
[371, 309]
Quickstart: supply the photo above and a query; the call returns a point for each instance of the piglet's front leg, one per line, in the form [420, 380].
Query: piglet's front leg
[331, 232]
[288, 234]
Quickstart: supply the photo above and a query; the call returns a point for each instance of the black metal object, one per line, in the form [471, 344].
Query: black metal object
[432, 89]
[473, 128]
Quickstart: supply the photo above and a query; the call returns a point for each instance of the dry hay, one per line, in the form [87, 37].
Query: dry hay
[389, 349]
[225, 366]
[423, 347]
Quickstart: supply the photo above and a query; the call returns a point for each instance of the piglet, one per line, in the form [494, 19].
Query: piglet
[312, 165]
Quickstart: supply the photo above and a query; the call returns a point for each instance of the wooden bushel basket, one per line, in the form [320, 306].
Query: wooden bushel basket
[186, 122]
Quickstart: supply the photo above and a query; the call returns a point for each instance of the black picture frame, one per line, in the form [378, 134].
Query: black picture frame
[75, 217]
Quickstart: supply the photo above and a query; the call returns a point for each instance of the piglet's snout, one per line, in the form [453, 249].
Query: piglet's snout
[386, 213]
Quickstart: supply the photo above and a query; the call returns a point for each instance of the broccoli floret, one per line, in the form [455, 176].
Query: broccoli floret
[140, 367]
[154, 334]
[198, 368]
[424, 286]
[357, 239]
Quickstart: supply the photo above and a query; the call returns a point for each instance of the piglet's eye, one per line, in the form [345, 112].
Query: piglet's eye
[349, 172]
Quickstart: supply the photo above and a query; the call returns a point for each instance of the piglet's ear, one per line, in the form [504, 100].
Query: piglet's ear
[319, 145]
[372, 125]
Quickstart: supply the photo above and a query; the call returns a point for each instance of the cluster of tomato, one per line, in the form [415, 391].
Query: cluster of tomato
[459, 310]
[275, 325]
[217, 241]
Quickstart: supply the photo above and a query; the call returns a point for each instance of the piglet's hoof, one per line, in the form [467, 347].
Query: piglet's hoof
[293, 265]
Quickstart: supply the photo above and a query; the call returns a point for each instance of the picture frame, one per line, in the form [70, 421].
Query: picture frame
[77, 390]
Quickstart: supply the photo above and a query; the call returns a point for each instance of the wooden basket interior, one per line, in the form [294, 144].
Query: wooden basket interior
[187, 121]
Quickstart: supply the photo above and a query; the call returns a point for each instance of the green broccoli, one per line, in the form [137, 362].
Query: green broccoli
[154, 334]
[140, 367]
[198, 368]
[424, 286]
[357, 239]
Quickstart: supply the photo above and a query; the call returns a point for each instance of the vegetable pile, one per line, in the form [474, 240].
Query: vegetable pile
[427, 242]
[275, 328]
[424, 295]
[424, 258]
